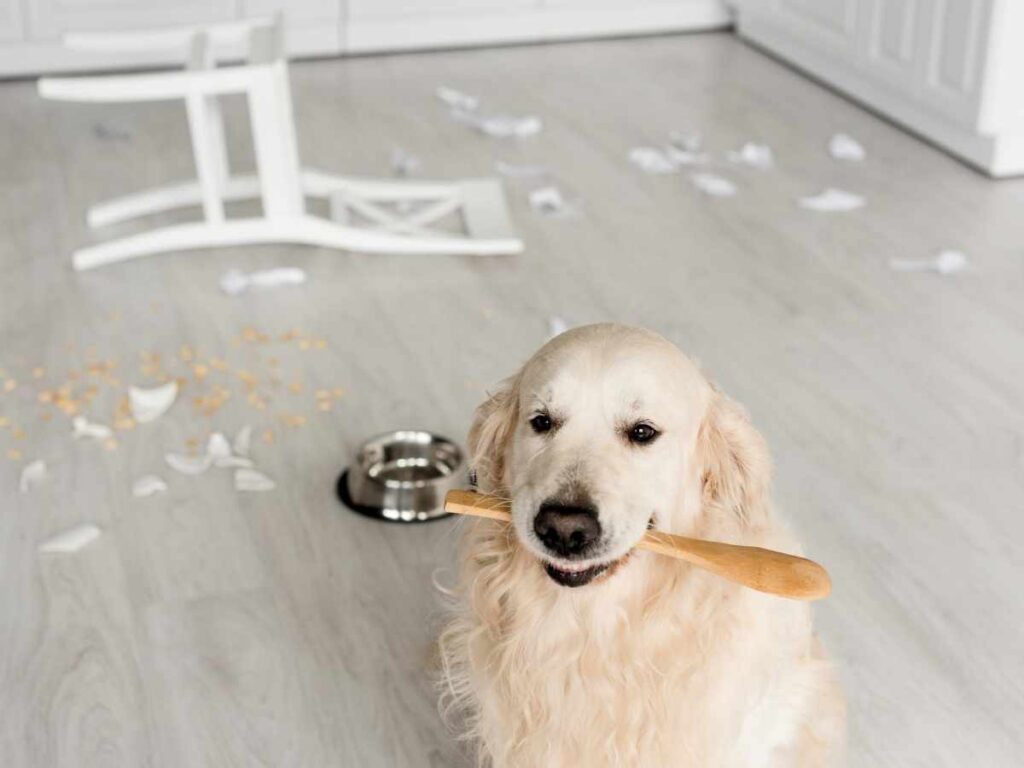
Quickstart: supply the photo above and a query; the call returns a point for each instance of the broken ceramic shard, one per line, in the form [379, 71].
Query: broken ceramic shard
[150, 404]
[242, 442]
[218, 447]
[755, 155]
[70, 540]
[945, 263]
[252, 480]
[82, 427]
[457, 99]
[148, 485]
[712, 184]
[844, 147]
[832, 200]
[188, 465]
[651, 160]
[235, 282]
[549, 201]
[32, 475]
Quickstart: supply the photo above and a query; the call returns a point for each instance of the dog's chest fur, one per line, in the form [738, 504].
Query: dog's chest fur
[628, 674]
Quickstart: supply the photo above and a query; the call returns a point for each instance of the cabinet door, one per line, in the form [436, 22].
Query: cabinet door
[52, 18]
[11, 27]
[831, 24]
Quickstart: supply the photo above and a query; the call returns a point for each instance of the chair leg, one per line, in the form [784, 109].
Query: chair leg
[167, 198]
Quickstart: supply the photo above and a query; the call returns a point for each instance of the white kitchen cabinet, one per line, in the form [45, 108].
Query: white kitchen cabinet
[946, 69]
[30, 30]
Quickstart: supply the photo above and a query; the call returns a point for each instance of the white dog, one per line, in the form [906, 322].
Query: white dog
[568, 650]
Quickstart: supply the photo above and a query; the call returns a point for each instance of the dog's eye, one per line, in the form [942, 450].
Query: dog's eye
[642, 433]
[541, 423]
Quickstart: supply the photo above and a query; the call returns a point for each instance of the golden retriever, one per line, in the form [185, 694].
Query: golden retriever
[568, 650]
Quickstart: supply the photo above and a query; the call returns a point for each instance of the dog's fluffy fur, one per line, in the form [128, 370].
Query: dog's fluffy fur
[656, 663]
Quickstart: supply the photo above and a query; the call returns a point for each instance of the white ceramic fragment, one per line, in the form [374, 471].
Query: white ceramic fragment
[945, 263]
[235, 282]
[218, 447]
[82, 427]
[188, 465]
[252, 480]
[712, 184]
[755, 155]
[651, 160]
[242, 442]
[832, 200]
[457, 99]
[500, 126]
[70, 540]
[549, 201]
[844, 147]
[148, 485]
[32, 474]
[150, 404]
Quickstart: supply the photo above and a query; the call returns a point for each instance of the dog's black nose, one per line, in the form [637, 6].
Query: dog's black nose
[567, 531]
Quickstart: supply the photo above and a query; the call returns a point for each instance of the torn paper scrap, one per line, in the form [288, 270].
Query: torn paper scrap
[243, 440]
[500, 126]
[652, 161]
[549, 201]
[403, 163]
[235, 282]
[557, 326]
[832, 200]
[150, 404]
[148, 485]
[32, 474]
[70, 540]
[755, 155]
[82, 427]
[685, 157]
[716, 186]
[844, 147]
[687, 142]
[457, 99]
[253, 481]
[519, 171]
[188, 465]
[945, 263]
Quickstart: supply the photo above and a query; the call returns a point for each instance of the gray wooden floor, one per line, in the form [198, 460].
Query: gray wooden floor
[205, 628]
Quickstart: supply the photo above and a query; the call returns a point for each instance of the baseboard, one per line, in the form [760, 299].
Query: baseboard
[995, 155]
[452, 30]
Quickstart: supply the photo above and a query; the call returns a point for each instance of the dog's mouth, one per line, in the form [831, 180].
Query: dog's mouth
[579, 575]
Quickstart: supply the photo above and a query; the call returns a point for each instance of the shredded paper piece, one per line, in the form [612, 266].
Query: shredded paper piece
[832, 200]
[188, 465]
[716, 186]
[82, 427]
[457, 99]
[403, 163]
[549, 201]
[844, 147]
[149, 485]
[945, 263]
[513, 171]
[500, 126]
[557, 326]
[236, 282]
[71, 540]
[150, 404]
[755, 155]
[252, 481]
[687, 142]
[32, 475]
[651, 160]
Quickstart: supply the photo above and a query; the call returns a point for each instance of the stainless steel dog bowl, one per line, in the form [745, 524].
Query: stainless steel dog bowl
[402, 476]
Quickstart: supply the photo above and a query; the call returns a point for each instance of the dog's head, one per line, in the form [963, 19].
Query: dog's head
[606, 431]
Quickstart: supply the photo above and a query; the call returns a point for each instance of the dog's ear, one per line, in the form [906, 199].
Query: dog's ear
[736, 467]
[490, 436]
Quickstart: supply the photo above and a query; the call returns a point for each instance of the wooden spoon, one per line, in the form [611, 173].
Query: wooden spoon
[762, 569]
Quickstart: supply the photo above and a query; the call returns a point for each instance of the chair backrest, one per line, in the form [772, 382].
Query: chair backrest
[256, 41]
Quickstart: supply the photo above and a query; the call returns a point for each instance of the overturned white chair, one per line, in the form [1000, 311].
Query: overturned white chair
[367, 215]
